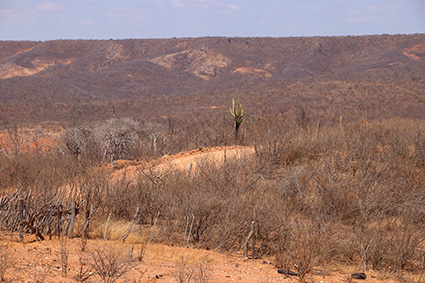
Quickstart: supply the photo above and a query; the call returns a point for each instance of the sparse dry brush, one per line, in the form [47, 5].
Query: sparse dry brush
[108, 263]
[309, 195]
[7, 262]
[196, 272]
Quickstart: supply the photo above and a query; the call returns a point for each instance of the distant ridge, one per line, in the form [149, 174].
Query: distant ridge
[361, 76]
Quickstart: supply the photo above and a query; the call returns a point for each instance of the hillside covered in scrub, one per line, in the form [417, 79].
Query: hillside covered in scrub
[359, 77]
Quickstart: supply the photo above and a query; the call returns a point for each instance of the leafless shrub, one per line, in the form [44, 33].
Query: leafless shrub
[421, 278]
[303, 244]
[7, 261]
[156, 139]
[64, 254]
[418, 146]
[41, 269]
[389, 244]
[85, 270]
[282, 144]
[198, 273]
[118, 137]
[16, 141]
[270, 140]
[406, 240]
[302, 116]
[141, 251]
[108, 263]
[202, 271]
[80, 142]
[184, 273]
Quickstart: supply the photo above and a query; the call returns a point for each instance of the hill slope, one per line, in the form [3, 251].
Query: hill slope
[360, 77]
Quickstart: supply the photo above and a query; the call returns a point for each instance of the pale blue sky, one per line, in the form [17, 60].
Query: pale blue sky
[104, 19]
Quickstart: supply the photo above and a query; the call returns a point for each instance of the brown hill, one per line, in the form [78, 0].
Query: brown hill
[357, 77]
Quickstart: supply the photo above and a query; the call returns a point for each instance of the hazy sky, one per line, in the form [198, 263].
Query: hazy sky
[104, 19]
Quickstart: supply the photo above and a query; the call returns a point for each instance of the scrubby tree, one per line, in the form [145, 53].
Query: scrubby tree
[117, 136]
[15, 141]
[77, 140]
[154, 133]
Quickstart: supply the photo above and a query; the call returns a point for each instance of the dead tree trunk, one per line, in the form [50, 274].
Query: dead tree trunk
[58, 222]
[131, 226]
[21, 219]
[72, 221]
[245, 246]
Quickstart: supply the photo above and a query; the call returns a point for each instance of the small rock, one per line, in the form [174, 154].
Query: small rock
[361, 276]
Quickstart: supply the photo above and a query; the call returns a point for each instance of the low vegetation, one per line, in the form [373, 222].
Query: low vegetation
[310, 195]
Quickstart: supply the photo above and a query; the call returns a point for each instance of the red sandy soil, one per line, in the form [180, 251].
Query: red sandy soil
[183, 160]
[41, 262]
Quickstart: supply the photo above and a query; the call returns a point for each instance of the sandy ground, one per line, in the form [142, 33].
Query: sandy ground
[185, 160]
[33, 261]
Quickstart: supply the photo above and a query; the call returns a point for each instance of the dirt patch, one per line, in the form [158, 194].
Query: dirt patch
[185, 160]
[253, 72]
[41, 262]
[216, 155]
[416, 52]
[11, 70]
[202, 63]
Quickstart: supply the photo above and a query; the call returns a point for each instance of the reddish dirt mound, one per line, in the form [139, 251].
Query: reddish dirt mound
[183, 160]
[217, 155]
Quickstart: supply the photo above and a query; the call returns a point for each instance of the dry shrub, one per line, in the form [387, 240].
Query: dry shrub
[278, 143]
[109, 263]
[202, 271]
[196, 272]
[340, 177]
[302, 245]
[184, 273]
[417, 150]
[64, 254]
[85, 271]
[40, 270]
[211, 197]
[7, 262]
[363, 179]
[390, 244]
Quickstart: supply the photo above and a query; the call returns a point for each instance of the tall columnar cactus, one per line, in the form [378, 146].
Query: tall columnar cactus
[237, 112]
